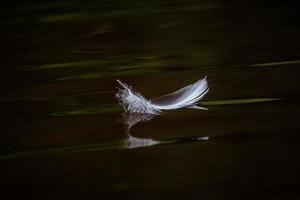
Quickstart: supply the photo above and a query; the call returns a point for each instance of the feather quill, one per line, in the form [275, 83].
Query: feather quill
[187, 96]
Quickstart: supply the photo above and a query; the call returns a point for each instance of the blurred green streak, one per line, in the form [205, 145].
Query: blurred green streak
[291, 62]
[80, 148]
[68, 65]
[238, 101]
[90, 110]
[116, 108]
[63, 17]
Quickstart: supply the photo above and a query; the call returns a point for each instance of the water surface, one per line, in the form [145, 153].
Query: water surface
[64, 136]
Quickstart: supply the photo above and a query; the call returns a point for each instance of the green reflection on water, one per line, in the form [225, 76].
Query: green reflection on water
[69, 65]
[63, 17]
[238, 101]
[90, 110]
[290, 62]
[117, 108]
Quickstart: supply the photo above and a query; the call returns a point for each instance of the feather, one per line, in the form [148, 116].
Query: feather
[187, 96]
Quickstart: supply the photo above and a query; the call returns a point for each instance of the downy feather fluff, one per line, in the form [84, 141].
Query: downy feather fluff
[187, 96]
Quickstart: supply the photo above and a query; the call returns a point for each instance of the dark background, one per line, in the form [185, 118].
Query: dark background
[61, 129]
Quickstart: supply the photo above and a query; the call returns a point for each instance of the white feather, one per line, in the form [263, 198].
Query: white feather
[187, 96]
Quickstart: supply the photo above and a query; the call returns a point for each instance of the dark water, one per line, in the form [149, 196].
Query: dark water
[63, 135]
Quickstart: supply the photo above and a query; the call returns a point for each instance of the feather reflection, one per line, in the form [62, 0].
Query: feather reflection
[131, 119]
[131, 142]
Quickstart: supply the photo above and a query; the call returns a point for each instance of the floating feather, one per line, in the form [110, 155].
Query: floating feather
[187, 96]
